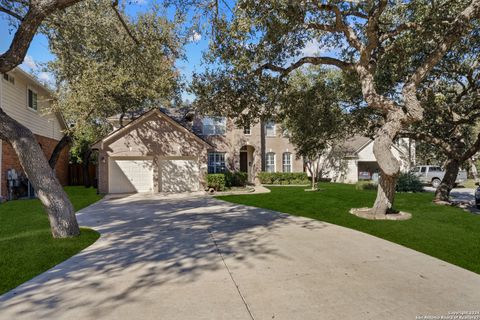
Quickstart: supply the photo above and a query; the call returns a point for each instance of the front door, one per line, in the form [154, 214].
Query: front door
[243, 161]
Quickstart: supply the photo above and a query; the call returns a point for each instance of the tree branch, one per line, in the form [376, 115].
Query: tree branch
[470, 152]
[426, 137]
[37, 12]
[457, 28]
[340, 24]
[305, 60]
[401, 28]
[11, 13]
[124, 24]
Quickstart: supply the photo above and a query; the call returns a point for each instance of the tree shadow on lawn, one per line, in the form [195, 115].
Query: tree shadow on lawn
[149, 243]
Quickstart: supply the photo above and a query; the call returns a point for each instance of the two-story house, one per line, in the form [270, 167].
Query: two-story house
[261, 147]
[26, 100]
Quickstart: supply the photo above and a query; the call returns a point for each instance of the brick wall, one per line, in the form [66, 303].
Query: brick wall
[10, 161]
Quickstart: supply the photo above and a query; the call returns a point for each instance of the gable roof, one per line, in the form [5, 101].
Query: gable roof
[143, 117]
[355, 144]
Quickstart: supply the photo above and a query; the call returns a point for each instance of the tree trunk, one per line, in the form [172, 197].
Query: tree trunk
[448, 182]
[385, 194]
[59, 209]
[314, 172]
[473, 169]
[389, 166]
[62, 144]
[86, 176]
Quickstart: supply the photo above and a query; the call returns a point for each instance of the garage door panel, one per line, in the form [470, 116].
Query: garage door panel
[179, 175]
[130, 176]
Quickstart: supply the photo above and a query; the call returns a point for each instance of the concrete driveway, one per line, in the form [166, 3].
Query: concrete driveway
[200, 258]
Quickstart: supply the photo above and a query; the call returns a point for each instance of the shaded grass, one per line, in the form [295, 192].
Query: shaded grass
[26, 244]
[447, 233]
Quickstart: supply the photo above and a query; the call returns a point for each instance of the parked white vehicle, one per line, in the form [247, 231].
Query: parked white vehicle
[434, 174]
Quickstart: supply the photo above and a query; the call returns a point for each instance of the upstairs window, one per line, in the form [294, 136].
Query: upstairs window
[287, 162]
[32, 100]
[8, 78]
[270, 129]
[270, 162]
[246, 130]
[216, 162]
[214, 126]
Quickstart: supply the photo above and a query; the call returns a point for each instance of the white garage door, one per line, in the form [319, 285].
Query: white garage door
[179, 175]
[130, 176]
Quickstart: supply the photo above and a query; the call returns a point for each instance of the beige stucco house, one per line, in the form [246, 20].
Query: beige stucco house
[153, 153]
[360, 163]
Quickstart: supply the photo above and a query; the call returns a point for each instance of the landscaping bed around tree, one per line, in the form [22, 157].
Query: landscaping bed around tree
[27, 247]
[447, 233]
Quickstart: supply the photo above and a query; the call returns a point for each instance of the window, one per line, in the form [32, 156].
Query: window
[8, 78]
[246, 130]
[423, 169]
[270, 129]
[270, 162]
[214, 126]
[287, 162]
[216, 162]
[32, 100]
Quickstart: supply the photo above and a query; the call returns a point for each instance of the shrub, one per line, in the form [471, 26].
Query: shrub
[408, 182]
[216, 181]
[283, 177]
[236, 179]
[365, 185]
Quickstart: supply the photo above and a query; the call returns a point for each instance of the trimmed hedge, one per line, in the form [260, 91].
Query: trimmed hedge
[283, 178]
[366, 185]
[216, 181]
[408, 182]
[236, 179]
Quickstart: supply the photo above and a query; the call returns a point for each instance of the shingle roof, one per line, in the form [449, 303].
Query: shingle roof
[354, 144]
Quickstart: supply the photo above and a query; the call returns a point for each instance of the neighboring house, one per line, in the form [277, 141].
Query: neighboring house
[360, 163]
[26, 100]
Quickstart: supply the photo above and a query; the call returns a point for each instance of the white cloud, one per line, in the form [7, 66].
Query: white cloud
[29, 63]
[195, 37]
[45, 77]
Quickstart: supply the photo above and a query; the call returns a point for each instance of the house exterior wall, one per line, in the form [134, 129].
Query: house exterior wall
[280, 144]
[350, 175]
[46, 126]
[14, 102]
[153, 137]
[234, 139]
[10, 161]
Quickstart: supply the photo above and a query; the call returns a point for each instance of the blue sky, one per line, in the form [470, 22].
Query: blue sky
[38, 52]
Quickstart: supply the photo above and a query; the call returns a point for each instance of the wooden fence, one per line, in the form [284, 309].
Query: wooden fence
[76, 176]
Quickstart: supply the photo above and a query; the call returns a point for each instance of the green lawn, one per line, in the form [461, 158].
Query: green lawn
[447, 233]
[26, 244]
